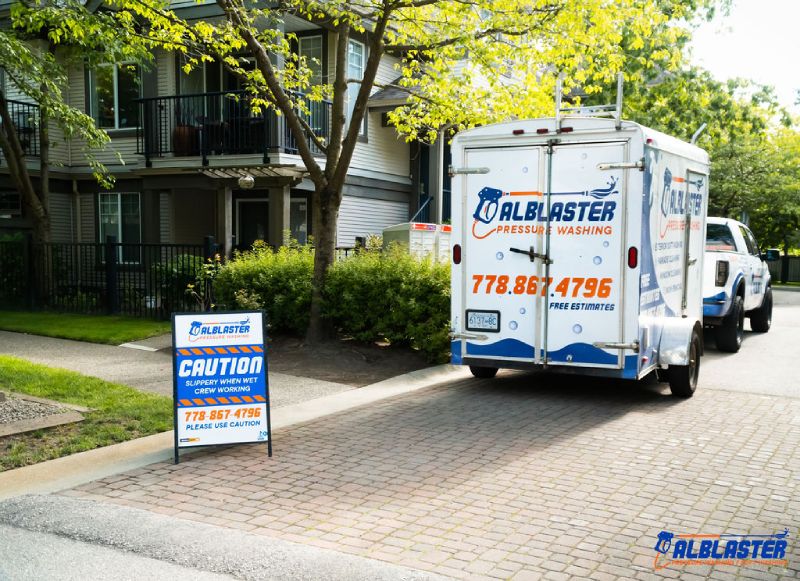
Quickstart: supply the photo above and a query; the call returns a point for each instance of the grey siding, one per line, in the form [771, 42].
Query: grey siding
[363, 216]
[165, 217]
[87, 218]
[61, 221]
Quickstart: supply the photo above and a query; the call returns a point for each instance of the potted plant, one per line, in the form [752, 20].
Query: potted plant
[185, 137]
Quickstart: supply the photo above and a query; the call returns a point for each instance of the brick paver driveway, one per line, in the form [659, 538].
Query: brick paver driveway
[524, 476]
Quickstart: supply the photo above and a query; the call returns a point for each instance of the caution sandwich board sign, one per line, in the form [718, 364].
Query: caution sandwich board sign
[221, 393]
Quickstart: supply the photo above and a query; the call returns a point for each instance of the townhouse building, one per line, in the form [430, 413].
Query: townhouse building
[184, 148]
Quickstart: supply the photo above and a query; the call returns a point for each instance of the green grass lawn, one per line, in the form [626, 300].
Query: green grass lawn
[119, 413]
[110, 330]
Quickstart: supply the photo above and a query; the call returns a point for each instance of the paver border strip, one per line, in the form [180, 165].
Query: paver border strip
[77, 469]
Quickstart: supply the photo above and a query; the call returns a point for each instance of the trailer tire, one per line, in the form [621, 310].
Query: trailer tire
[683, 378]
[730, 334]
[483, 372]
[761, 318]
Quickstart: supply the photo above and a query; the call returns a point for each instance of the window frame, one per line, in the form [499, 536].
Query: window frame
[322, 53]
[101, 235]
[91, 93]
[750, 241]
[352, 95]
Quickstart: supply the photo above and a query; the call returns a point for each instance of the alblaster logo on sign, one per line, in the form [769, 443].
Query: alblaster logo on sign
[199, 330]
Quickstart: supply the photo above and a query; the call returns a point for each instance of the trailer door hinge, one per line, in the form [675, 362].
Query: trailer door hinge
[475, 336]
[613, 345]
[622, 165]
[452, 171]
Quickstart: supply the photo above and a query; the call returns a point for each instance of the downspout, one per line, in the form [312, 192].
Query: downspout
[76, 209]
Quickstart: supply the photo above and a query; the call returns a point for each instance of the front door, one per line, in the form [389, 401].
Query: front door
[252, 222]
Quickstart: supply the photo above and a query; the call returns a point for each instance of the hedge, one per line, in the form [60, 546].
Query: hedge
[277, 281]
[370, 296]
[393, 296]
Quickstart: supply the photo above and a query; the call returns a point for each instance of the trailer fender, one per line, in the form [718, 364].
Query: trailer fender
[676, 336]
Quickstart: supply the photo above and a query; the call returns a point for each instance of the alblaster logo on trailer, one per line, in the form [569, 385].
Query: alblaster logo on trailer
[199, 330]
[677, 201]
[491, 206]
[709, 550]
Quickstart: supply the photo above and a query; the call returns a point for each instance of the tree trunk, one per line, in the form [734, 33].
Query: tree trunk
[41, 226]
[325, 214]
[15, 158]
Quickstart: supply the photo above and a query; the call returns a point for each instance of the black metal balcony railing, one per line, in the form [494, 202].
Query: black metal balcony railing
[219, 124]
[26, 120]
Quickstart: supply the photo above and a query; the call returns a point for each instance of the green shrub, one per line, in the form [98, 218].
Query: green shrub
[277, 281]
[172, 277]
[393, 296]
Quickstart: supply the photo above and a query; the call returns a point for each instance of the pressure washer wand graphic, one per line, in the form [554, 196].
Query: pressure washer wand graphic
[664, 542]
[489, 199]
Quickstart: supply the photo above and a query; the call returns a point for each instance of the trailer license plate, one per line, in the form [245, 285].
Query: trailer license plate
[483, 321]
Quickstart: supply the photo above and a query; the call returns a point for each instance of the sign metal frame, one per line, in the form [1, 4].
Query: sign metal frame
[175, 370]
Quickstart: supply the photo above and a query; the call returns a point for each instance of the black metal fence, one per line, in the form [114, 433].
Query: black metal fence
[221, 123]
[139, 280]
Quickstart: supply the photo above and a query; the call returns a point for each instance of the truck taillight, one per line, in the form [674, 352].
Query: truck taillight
[456, 253]
[722, 273]
[633, 257]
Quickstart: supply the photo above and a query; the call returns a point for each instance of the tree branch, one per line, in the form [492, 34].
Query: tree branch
[282, 100]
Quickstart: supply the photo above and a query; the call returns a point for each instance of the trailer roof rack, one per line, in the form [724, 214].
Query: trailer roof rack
[613, 111]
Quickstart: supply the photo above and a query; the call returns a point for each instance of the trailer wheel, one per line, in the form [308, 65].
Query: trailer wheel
[483, 372]
[730, 333]
[761, 318]
[683, 378]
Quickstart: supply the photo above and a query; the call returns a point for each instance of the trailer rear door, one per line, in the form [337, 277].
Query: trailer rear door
[543, 254]
[586, 247]
[501, 301]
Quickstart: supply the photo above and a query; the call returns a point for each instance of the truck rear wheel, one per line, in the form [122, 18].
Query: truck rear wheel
[761, 318]
[683, 378]
[483, 372]
[730, 333]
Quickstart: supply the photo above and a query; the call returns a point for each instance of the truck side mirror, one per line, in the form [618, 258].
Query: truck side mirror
[772, 255]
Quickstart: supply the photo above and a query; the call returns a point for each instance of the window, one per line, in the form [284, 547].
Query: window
[310, 47]
[120, 216]
[355, 70]
[719, 238]
[10, 202]
[113, 90]
[750, 241]
[298, 219]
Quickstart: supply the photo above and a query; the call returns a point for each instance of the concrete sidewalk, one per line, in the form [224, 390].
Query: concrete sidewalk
[145, 365]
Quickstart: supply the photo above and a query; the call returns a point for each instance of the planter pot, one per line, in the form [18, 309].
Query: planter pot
[185, 140]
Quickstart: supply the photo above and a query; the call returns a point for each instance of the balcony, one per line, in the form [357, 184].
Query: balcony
[211, 124]
[25, 117]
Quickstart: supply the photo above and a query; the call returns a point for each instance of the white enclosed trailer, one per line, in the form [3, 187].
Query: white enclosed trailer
[578, 246]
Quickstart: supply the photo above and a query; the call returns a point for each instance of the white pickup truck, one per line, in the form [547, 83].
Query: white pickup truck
[736, 283]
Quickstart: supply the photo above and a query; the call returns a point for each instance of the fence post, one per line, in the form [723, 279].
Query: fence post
[29, 270]
[785, 267]
[209, 250]
[112, 289]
